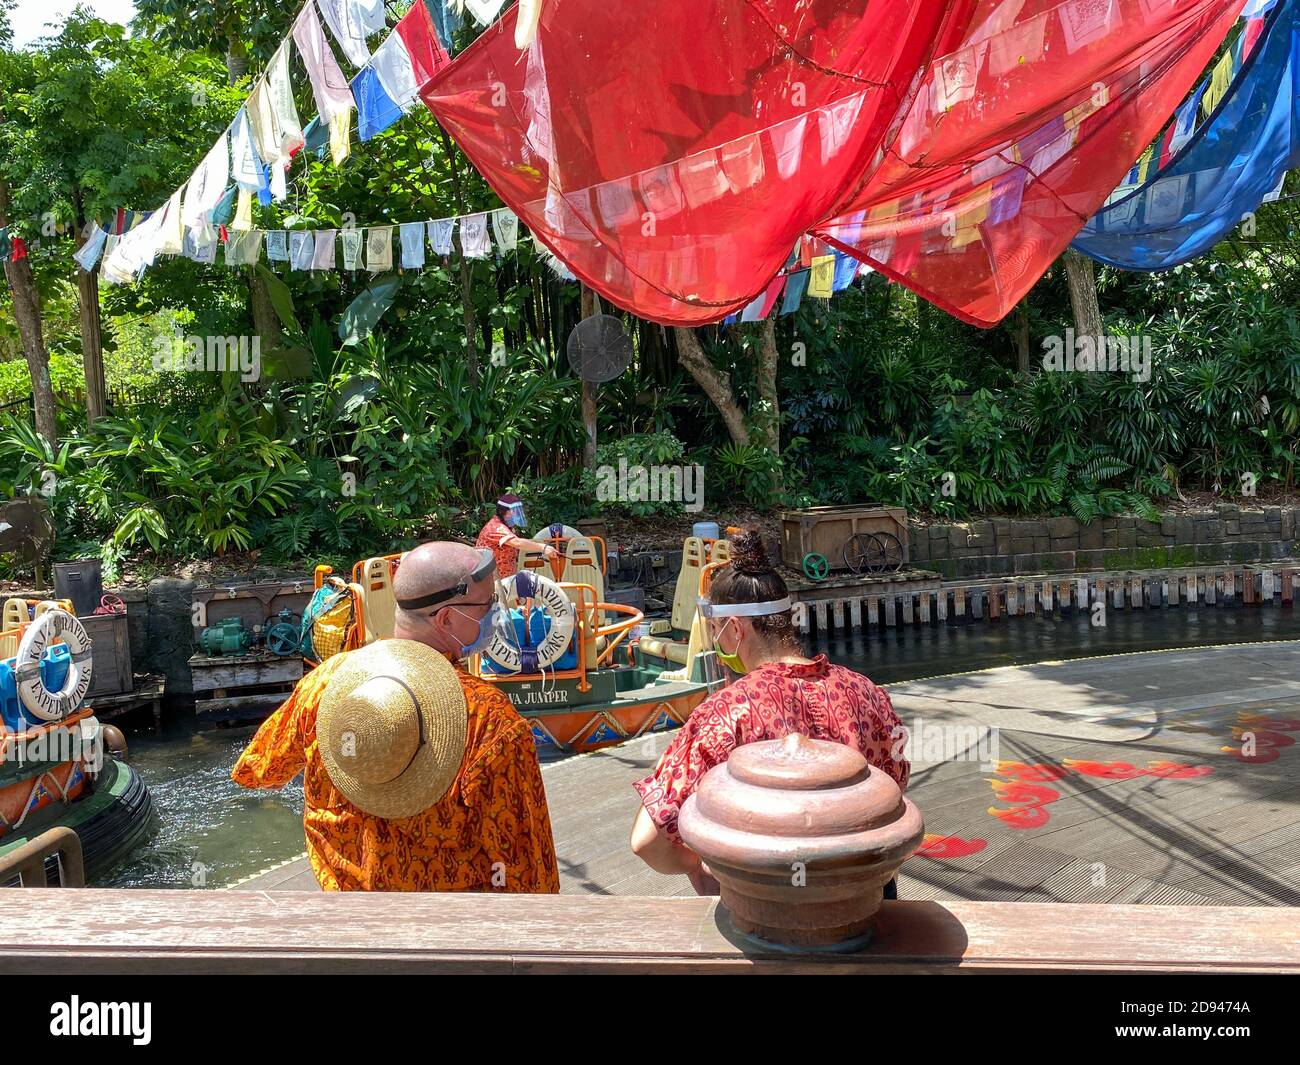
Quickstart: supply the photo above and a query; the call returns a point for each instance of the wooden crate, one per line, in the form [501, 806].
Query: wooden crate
[242, 687]
[234, 672]
[825, 530]
[254, 603]
[110, 654]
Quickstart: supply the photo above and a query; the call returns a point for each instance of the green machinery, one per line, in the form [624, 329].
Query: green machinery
[227, 637]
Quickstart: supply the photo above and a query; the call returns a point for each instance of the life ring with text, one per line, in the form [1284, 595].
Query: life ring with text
[53, 627]
[521, 587]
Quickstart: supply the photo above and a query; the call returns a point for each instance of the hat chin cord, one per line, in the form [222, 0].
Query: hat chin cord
[419, 722]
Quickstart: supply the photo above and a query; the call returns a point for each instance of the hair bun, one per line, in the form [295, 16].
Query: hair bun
[748, 555]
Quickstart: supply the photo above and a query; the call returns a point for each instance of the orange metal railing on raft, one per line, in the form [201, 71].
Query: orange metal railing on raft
[588, 634]
[357, 634]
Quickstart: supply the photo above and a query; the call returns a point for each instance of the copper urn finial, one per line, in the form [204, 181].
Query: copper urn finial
[802, 835]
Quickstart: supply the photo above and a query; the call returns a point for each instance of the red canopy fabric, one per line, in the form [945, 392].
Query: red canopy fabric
[671, 152]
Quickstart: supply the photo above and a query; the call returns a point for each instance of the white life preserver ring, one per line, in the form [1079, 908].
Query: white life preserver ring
[530, 585]
[53, 627]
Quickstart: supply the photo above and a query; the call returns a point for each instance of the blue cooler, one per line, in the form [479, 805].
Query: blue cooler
[707, 530]
[9, 706]
[55, 663]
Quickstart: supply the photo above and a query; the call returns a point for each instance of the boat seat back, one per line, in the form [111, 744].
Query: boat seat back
[688, 583]
[15, 614]
[378, 604]
[668, 650]
[555, 532]
[532, 558]
[693, 647]
[582, 565]
[721, 551]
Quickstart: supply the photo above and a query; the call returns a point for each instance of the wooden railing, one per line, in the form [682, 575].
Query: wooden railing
[120, 931]
[27, 862]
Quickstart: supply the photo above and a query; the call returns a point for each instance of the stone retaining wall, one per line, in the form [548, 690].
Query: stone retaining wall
[1003, 547]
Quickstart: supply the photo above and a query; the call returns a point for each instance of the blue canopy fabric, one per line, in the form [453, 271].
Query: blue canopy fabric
[1222, 173]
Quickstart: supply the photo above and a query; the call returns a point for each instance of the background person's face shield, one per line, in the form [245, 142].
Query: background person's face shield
[514, 514]
[720, 660]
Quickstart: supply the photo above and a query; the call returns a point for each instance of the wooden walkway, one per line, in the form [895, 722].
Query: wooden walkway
[1098, 780]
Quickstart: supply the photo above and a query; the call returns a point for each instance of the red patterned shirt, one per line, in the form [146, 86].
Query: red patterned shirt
[493, 536]
[822, 701]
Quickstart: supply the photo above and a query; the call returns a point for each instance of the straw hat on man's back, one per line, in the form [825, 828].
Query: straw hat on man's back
[391, 728]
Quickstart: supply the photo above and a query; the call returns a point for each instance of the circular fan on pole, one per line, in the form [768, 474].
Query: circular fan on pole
[599, 348]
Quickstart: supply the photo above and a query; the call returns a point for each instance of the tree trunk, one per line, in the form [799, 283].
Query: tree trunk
[236, 56]
[1083, 294]
[590, 306]
[466, 270]
[715, 383]
[27, 312]
[470, 319]
[1022, 336]
[766, 418]
[92, 342]
[266, 323]
[92, 345]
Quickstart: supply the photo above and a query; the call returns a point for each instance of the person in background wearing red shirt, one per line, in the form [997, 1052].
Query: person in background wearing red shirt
[780, 691]
[498, 538]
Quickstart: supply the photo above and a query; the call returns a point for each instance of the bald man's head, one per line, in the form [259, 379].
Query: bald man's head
[437, 567]
[433, 567]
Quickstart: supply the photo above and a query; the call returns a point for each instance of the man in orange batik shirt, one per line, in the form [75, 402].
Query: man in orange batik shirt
[418, 776]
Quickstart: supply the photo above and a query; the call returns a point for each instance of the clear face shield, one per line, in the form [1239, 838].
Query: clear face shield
[514, 514]
[720, 632]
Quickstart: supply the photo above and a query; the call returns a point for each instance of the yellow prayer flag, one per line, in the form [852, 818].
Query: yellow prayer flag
[243, 211]
[341, 136]
[1220, 78]
[1144, 164]
[822, 277]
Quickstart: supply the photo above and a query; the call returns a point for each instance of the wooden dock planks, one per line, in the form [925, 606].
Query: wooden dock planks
[1232, 837]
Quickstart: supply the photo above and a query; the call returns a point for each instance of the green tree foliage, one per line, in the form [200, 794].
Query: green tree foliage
[96, 120]
[458, 385]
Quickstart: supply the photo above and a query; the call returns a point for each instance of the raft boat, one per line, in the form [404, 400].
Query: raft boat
[54, 768]
[585, 672]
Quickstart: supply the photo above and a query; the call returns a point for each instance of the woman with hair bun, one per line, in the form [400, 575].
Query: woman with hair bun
[780, 691]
